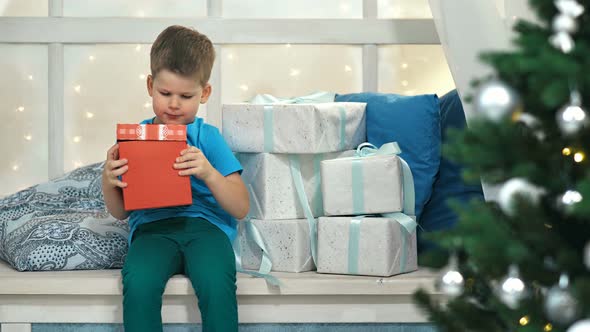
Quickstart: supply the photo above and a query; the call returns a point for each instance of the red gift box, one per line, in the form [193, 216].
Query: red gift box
[152, 181]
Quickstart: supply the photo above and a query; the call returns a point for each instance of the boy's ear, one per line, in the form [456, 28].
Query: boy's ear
[206, 93]
[150, 85]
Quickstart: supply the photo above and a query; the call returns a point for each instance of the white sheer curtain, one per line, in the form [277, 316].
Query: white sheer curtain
[468, 27]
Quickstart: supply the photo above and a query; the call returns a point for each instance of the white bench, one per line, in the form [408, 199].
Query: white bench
[309, 297]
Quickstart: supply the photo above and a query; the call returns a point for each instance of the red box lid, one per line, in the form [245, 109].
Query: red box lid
[151, 132]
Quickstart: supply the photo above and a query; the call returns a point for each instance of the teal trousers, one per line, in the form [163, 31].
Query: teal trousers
[190, 246]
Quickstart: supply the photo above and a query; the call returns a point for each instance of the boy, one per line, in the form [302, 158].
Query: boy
[194, 240]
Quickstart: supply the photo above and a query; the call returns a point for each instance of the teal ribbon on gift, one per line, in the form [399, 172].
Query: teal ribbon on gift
[268, 123]
[295, 167]
[368, 150]
[407, 224]
[354, 237]
[314, 98]
[253, 233]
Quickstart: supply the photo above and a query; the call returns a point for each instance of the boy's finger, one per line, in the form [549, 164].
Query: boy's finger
[120, 171]
[120, 184]
[192, 149]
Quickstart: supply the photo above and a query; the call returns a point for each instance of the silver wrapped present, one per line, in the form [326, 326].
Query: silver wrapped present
[294, 128]
[362, 185]
[367, 245]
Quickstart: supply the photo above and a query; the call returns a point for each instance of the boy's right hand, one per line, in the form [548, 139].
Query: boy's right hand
[113, 168]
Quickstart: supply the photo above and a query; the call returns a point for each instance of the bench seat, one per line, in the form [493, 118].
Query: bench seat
[309, 297]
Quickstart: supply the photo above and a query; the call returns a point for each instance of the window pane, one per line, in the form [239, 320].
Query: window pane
[137, 8]
[104, 85]
[292, 9]
[23, 138]
[414, 69]
[289, 70]
[24, 8]
[403, 9]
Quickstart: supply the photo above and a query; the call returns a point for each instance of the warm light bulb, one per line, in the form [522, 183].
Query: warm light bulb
[91, 58]
[347, 68]
[28, 137]
[30, 77]
[579, 157]
[142, 76]
[405, 83]
[548, 327]
[404, 65]
[147, 105]
[294, 72]
[288, 45]
[77, 88]
[89, 115]
[77, 139]
[138, 48]
[21, 109]
[15, 167]
[244, 87]
[566, 151]
[524, 320]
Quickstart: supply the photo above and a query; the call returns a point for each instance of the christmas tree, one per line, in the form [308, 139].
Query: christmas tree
[522, 261]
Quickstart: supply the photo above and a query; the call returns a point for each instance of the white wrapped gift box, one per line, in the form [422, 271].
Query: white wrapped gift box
[362, 185]
[294, 128]
[367, 245]
[269, 180]
[287, 243]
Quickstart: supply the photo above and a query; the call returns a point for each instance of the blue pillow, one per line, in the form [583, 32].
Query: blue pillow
[449, 184]
[414, 123]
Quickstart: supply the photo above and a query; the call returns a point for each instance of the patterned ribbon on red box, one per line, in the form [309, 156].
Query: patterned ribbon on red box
[151, 132]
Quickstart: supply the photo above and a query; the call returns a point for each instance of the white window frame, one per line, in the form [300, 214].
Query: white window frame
[57, 31]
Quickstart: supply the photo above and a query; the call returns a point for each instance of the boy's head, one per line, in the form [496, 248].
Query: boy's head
[183, 51]
[181, 60]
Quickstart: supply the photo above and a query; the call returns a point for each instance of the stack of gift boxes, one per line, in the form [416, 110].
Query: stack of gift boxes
[312, 194]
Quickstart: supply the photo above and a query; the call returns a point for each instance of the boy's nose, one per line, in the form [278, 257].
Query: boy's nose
[174, 103]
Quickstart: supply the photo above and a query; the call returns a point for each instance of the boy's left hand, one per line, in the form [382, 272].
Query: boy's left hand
[193, 162]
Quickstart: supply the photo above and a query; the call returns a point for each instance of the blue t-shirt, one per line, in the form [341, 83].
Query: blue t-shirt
[207, 139]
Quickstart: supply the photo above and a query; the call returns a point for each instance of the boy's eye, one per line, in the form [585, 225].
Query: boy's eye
[186, 97]
[164, 93]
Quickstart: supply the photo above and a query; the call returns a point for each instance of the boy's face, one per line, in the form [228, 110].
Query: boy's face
[176, 98]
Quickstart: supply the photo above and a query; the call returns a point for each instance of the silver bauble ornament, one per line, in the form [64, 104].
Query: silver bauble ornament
[569, 7]
[580, 326]
[562, 41]
[496, 100]
[564, 23]
[450, 281]
[517, 187]
[587, 255]
[571, 118]
[569, 199]
[512, 289]
[561, 307]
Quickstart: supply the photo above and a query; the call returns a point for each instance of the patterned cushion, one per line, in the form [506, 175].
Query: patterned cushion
[62, 225]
